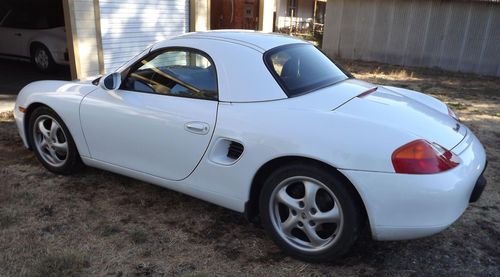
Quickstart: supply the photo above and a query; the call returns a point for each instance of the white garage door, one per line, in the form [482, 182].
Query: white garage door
[128, 26]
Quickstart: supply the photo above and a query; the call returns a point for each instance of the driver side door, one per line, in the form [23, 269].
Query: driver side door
[161, 120]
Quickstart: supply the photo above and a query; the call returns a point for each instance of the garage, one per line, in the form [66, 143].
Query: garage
[127, 27]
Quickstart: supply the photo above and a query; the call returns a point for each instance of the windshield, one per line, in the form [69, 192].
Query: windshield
[302, 68]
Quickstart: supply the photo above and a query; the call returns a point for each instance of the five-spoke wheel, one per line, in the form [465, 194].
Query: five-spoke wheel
[306, 213]
[52, 142]
[310, 211]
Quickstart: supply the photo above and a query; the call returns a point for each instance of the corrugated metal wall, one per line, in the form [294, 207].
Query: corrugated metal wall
[453, 35]
[129, 26]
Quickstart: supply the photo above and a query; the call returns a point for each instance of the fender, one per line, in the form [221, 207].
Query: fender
[63, 97]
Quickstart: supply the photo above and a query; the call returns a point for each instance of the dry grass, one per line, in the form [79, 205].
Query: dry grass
[6, 116]
[98, 223]
[60, 265]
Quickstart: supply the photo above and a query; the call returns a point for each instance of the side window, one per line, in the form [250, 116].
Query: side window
[4, 10]
[176, 72]
[17, 19]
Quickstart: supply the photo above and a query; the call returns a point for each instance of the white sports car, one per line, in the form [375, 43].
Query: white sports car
[265, 125]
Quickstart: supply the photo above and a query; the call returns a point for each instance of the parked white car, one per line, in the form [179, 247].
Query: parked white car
[35, 35]
[265, 125]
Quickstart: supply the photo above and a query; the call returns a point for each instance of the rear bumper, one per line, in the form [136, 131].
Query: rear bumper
[478, 188]
[405, 206]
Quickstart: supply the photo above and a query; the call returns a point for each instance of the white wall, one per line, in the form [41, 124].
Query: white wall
[129, 26]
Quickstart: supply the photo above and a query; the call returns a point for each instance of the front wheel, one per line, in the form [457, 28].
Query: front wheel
[42, 59]
[52, 143]
[310, 212]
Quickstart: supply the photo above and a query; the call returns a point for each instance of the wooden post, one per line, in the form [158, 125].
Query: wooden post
[314, 15]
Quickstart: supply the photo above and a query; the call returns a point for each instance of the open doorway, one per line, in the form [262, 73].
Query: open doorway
[234, 14]
[33, 43]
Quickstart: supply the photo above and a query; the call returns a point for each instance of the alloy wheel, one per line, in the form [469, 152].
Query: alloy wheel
[42, 58]
[306, 214]
[50, 140]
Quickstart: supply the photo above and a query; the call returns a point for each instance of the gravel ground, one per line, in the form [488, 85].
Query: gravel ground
[99, 223]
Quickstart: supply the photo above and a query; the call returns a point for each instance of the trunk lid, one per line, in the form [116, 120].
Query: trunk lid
[399, 111]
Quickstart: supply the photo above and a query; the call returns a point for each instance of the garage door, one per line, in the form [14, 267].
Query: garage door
[128, 26]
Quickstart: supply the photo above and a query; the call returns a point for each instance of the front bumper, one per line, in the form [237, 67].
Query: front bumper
[19, 118]
[406, 206]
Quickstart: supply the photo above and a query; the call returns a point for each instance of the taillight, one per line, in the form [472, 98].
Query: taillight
[422, 157]
[453, 114]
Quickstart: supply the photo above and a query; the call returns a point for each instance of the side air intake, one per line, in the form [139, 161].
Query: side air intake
[234, 150]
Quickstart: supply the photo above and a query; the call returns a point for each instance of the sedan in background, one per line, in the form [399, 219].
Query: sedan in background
[33, 34]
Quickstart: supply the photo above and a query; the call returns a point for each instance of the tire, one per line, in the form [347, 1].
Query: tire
[53, 146]
[318, 226]
[42, 59]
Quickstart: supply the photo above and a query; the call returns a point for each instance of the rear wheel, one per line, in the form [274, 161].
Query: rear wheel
[309, 212]
[53, 145]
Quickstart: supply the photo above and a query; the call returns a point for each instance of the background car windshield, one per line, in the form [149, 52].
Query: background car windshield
[301, 68]
[45, 17]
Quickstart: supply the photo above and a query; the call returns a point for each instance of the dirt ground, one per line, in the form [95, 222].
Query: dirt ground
[99, 223]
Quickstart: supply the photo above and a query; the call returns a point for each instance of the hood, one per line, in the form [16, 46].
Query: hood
[417, 115]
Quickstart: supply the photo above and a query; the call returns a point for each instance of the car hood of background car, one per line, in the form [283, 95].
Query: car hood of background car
[409, 111]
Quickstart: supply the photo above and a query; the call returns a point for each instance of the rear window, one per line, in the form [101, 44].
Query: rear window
[302, 68]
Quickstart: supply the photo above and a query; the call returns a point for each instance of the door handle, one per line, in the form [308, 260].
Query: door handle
[196, 127]
[17, 34]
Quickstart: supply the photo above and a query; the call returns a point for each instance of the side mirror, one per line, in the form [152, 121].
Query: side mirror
[111, 81]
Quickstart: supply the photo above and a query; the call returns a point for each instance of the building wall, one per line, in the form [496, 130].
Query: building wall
[129, 26]
[453, 35]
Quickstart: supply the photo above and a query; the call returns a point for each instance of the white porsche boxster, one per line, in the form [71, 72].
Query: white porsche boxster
[265, 125]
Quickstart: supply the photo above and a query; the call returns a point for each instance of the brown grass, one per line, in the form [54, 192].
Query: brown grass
[6, 116]
[98, 223]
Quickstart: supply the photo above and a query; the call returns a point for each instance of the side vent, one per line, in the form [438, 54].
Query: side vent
[234, 150]
[226, 151]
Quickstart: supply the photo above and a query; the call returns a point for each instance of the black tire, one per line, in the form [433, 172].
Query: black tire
[42, 58]
[350, 208]
[72, 161]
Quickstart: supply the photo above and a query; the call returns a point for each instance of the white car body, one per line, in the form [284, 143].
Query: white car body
[144, 136]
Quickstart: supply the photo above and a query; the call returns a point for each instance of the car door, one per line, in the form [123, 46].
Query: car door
[161, 119]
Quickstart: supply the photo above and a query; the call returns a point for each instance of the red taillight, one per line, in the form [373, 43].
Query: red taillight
[422, 157]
